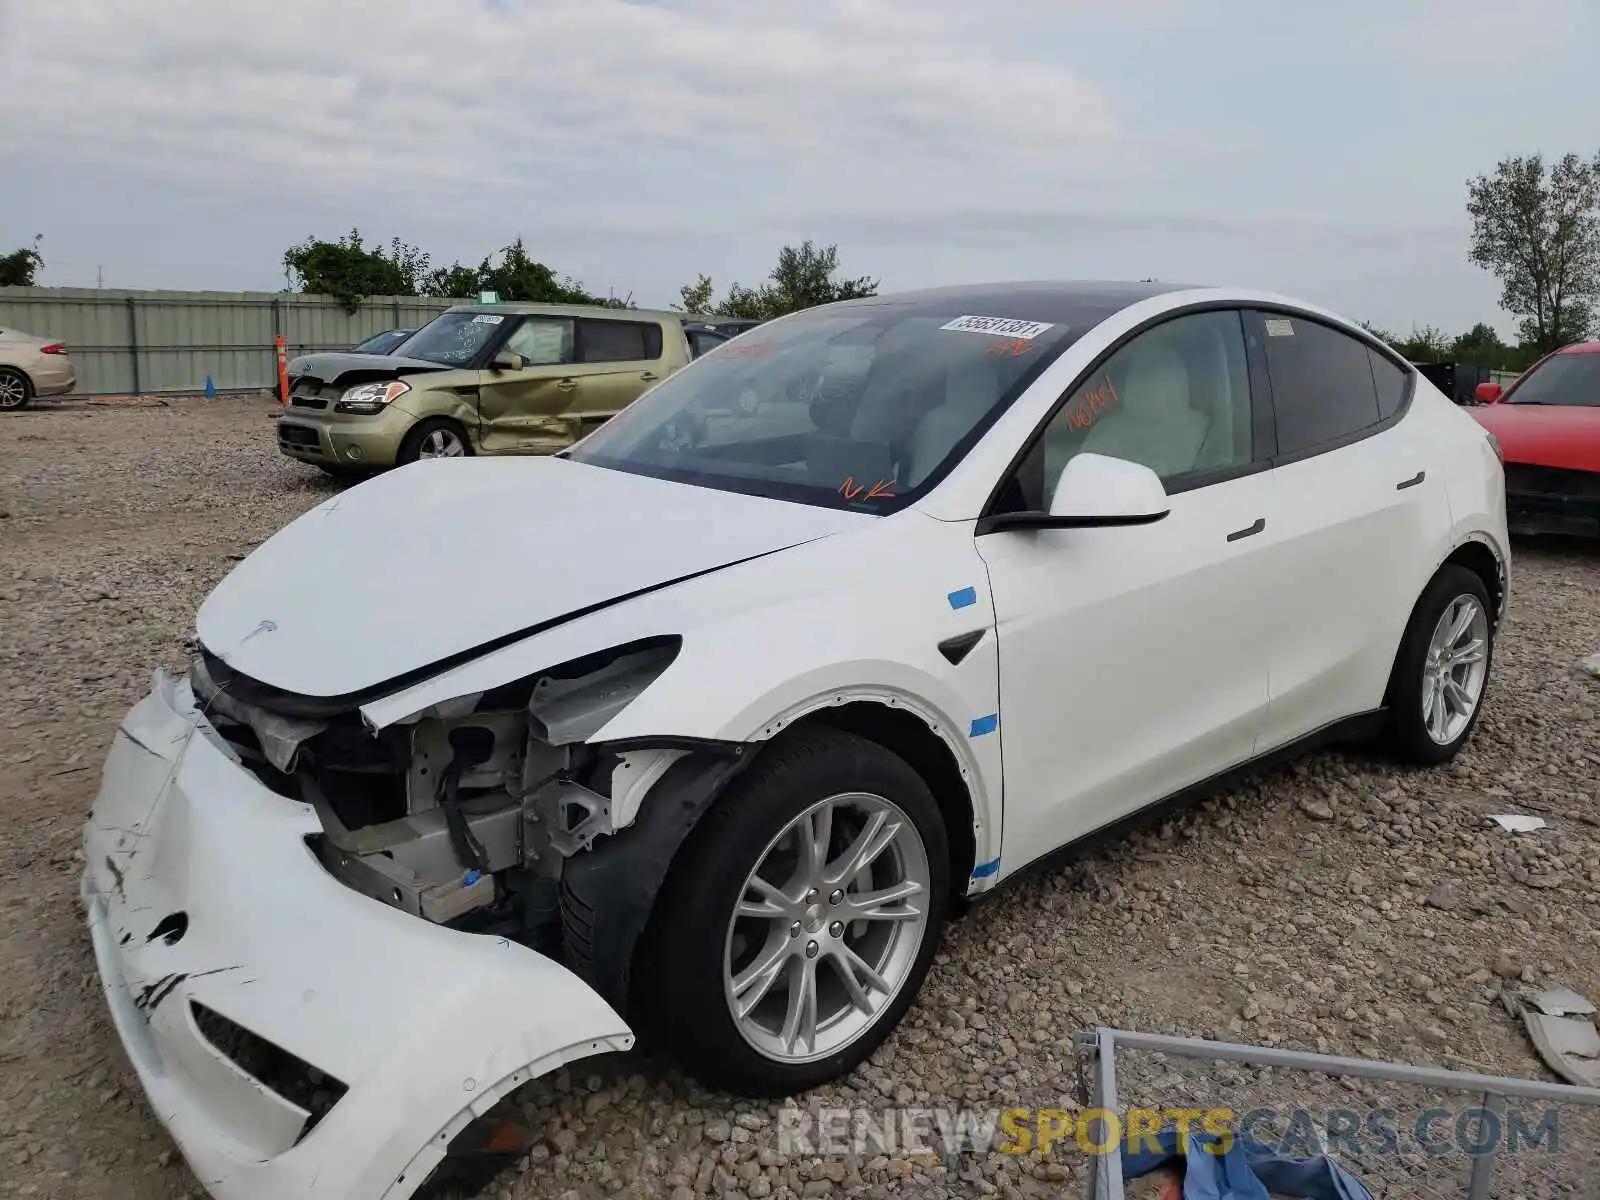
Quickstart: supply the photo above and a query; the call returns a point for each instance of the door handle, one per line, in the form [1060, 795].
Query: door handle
[1412, 482]
[567, 385]
[649, 377]
[1248, 531]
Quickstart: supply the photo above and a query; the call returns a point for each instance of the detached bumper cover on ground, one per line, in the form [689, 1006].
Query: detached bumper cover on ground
[204, 898]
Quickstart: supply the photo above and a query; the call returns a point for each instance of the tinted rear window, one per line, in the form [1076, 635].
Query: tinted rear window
[1322, 383]
[619, 341]
[1391, 382]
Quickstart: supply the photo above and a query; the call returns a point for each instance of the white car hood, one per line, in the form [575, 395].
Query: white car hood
[419, 565]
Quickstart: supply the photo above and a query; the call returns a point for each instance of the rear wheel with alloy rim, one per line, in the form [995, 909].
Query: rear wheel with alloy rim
[15, 389]
[437, 437]
[799, 918]
[1442, 673]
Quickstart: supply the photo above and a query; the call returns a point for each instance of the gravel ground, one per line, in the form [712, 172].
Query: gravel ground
[1338, 905]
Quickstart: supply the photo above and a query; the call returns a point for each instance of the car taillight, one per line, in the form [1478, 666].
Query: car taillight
[53, 348]
[1494, 444]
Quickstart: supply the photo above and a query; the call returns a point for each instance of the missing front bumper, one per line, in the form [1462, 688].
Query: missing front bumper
[203, 895]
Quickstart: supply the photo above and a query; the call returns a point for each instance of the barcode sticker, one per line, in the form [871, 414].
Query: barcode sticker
[1008, 327]
[487, 319]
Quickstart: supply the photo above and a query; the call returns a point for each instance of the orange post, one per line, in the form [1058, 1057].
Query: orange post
[283, 372]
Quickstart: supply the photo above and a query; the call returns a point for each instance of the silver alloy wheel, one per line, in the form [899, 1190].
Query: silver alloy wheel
[13, 391]
[1453, 674]
[442, 443]
[828, 927]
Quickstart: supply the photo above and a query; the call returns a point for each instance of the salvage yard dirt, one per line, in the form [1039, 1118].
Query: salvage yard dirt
[1339, 905]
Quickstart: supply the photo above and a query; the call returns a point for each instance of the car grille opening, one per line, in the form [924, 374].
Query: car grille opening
[270, 1065]
[1552, 481]
[298, 435]
[307, 402]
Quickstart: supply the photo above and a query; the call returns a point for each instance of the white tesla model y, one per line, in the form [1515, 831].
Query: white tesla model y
[706, 725]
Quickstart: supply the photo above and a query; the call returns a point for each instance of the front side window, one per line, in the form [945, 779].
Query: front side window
[1322, 383]
[542, 341]
[453, 338]
[1175, 399]
[860, 407]
[619, 341]
[1570, 380]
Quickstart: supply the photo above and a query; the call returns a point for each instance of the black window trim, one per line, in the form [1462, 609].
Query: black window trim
[1260, 312]
[1262, 428]
[577, 340]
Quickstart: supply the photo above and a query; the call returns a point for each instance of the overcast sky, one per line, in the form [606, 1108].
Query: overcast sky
[1320, 149]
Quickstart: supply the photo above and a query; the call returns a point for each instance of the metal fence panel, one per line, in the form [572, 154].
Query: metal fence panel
[1406, 1132]
[125, 342]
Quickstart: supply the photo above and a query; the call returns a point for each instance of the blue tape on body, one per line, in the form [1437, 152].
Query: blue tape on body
[964, 598]
[984, 870]
[983, 725]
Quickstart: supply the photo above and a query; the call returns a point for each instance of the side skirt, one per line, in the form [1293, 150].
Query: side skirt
[1362, 727]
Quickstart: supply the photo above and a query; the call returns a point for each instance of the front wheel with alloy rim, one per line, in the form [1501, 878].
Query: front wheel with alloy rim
[437, 437]
[1442, 672]
[15, 389]
[799, 918]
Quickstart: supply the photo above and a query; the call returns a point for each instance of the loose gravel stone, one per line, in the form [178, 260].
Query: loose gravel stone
[1337, 904]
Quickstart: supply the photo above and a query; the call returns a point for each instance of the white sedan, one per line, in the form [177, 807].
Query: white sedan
[707, 725]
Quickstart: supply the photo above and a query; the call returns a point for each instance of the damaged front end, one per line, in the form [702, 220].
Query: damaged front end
[329, 949]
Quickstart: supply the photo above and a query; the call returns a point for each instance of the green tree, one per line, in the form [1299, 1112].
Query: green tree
[519, 277]
[454, 282]
[1538, 230]
[1427, 344]
[695, 297]
[21, 267]
[350, 271]
[1481, 344]
[803, 278]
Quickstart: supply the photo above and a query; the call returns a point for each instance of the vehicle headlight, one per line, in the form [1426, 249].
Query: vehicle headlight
[371, 397]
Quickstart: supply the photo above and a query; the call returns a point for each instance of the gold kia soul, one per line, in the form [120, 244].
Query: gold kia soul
[478, 379]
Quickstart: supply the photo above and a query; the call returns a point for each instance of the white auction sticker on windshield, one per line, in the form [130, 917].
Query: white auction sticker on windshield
[487, 319]
[1000, 326]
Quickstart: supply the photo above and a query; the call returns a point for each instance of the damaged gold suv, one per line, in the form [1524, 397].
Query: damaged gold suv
[477, 379]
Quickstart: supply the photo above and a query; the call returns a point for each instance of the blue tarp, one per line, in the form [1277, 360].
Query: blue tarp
[1247, 1171]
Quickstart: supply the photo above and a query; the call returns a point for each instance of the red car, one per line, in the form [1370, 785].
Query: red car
[1548, 425]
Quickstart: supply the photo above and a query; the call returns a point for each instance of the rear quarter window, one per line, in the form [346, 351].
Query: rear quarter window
[619, 341]
[1322, 383]
[1391, 383]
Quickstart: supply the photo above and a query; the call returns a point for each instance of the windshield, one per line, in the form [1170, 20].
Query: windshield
[1572, 380]
[452, 338]
[862, 407]
[384, 342]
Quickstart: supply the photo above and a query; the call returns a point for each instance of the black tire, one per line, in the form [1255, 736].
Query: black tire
[1405, 734]
[411, 447]
[16, 390]
[678, 995]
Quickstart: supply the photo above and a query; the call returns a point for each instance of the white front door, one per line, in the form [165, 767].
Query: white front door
[1131, 661]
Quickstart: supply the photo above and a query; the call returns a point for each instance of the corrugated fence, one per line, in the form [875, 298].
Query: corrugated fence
[126, 342]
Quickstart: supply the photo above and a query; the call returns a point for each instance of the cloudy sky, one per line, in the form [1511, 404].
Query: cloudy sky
[1316, 148]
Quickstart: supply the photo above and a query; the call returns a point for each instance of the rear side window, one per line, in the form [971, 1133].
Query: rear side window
[1322, 383]
[1391, 383]
[619, 341]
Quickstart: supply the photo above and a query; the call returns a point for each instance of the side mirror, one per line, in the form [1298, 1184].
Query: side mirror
[1094, 492]
[507, 361]
[1488, 393]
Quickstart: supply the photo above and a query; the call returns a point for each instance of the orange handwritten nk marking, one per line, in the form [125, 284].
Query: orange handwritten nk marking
[850, 489]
